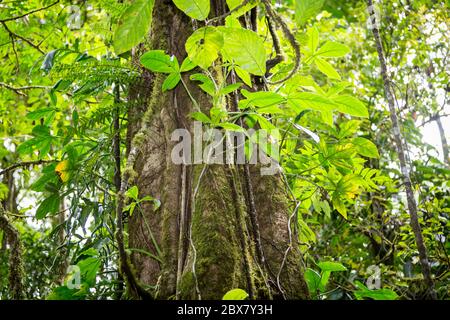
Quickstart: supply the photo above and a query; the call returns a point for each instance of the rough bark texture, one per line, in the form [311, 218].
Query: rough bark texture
[202, 226]
[15, 256]
[412, 205]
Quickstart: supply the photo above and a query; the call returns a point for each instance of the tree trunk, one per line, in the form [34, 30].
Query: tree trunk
[444, 143]
[202, 232]
[411, 201]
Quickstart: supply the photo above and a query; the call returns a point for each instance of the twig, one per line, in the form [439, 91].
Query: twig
[28, 13]
[19, 90]
[24, 164]
[15, 35]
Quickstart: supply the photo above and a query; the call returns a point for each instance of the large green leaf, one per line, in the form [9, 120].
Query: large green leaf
[49, 205]
[260, 99]
[133, 25]
[203, 46]
[326, 68]
[333, 50]
[305, 9]
[365, 147]
[159, 61]
[196, 9]
[350, 105]
[313, 281]
[246, 49]
[233, 4]
[89, 268]
[331, 266]
[378, 294]
[309, 100]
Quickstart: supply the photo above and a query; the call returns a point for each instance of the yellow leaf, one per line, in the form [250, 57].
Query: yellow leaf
[62, 170]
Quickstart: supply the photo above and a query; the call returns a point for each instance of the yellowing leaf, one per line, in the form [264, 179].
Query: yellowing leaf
[62, 170]
[203, 46]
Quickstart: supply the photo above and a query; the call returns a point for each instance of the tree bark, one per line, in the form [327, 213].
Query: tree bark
[444, 142]
[412, 205]
[202, 230]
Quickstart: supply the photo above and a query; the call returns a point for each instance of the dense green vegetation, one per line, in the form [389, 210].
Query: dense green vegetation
[91, 206]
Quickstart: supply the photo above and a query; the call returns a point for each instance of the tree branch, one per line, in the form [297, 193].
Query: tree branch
[15, 35]
[19, 90]
[28, 13]
[24, 164]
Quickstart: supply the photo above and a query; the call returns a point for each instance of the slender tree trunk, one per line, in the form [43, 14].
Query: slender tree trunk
[444, 143]
[202, 233]
[412, 206]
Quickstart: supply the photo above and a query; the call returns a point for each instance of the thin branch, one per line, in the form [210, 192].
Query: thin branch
[19, 90]
[15, 35]
[24, 164]
[30, 12]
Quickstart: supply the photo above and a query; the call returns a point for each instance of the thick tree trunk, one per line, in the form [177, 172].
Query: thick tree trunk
[202, 231]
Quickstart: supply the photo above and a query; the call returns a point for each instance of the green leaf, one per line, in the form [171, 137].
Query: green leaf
[333, 49]
[203, 46]
[246, 49]
[207, 84]
[231, 127]
[339, 205]
[49, 205]
[159, 61]
[365, 147]
[64, 293]
[171, 81]
[309, 100]
[313, 281]
[187, 65]
[196, 9]
[229, 89]
[200, 116]
[350, 105]
[232, 4]
[133, 25]
[313, 39]
[331, 266]
[326, 68]
[305, 9]
[133, 193]
[89, 268]
[244, 75]
[41, 113]
[235, 294]
[260, 99]
[379, 294]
